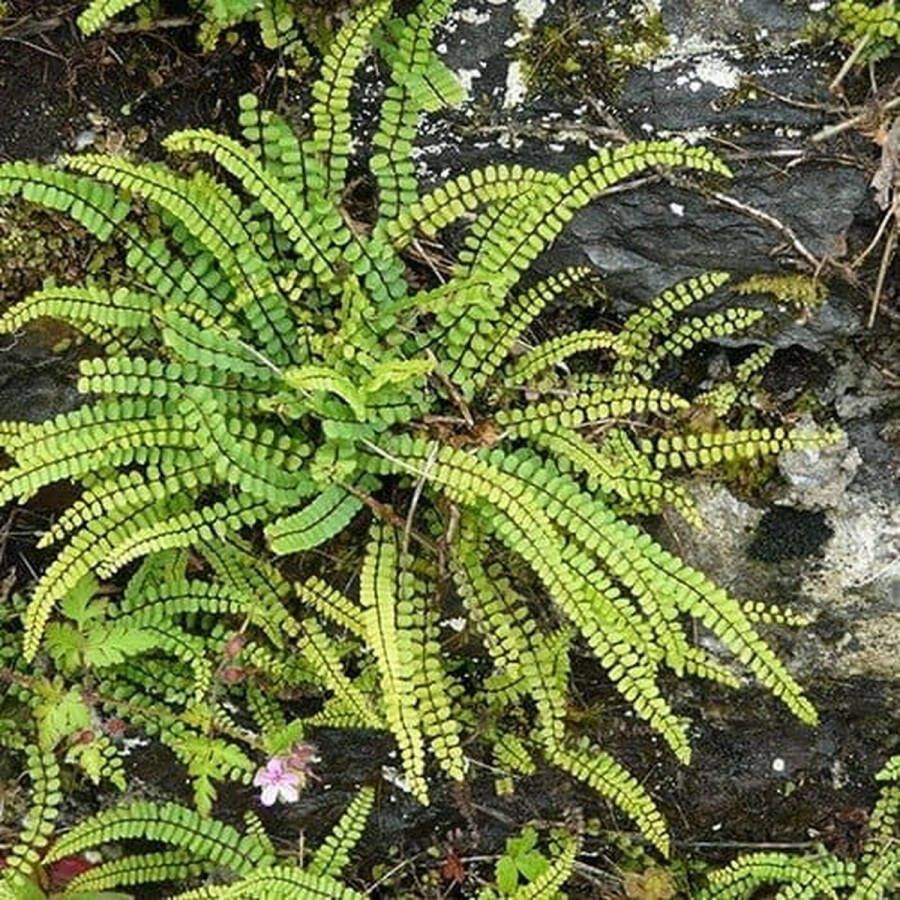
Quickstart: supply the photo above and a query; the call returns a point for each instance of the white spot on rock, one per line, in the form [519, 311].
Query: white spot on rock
[516, 88]
[467, 78]
[718, 71]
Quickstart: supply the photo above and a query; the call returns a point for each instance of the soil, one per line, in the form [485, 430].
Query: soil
[757, 778]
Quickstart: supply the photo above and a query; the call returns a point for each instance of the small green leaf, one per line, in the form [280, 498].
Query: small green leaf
[507, 875]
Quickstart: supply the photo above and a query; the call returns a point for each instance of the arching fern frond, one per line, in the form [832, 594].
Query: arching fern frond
[138, 868]
[601, 772]
[46, 797]
[385, 621]
[208, 840]
[331, 93]
[333, 854]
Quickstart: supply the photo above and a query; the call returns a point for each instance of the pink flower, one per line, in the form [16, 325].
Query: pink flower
[278, 782]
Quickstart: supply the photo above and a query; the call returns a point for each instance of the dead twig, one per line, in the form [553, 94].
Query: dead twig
[849, 62]
[5, 530]
[831, 131]
[886, 257]
[879, 234]
[389, 514]
[417, 494]
[36, 47]
[768, 219]
[747, 845]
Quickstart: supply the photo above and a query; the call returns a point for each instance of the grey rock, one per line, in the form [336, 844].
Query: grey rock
[697, 90]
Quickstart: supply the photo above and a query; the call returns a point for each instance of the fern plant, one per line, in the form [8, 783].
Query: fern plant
[873, 30]
[171, 660]
[230, 863]
[289, 25]
[874, 877]
[271, 363]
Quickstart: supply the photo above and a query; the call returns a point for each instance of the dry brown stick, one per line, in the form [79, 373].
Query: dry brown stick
[768, 219]
[848, 63]
[879, 234]
[831, 131]
[388, 514]
[882, 275]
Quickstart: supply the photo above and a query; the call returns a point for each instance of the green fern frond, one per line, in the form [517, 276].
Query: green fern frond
[532, 222]
[875, 29]
[279, 147]
[552, 353]
[421, 83]
[641, 327]
[327, 515]
[694, 331]
[495, 339]
[332, 604]
[94, 206]
[511, 753]
[46, 797]
[137, 868]
[616, 468]
[463, 194]
[722, 398]
[331, 94]
[277, 883]
[319, 651]
[881, 875]
[123, 311]
[333, 854]
[749, 872]
[582, 409]
[169, 823]
[606, 776]
[318, 240]
[554, 876]
[385, 621]
[99, 13]
[709, 448]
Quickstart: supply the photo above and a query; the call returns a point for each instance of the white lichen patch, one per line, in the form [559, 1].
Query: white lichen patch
[718, 71]
[473, 16]
[715, 70]
[690, 136]
[467, 78]
[527, 14]
[516, 86]
[530, 11]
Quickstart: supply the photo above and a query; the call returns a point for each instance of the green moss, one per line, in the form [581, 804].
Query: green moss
[803, 292]
[581, 55]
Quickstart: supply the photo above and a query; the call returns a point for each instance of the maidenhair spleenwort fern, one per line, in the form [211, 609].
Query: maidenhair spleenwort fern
[875, 876]
[288, 25]
[193, 849]
[273, 365]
